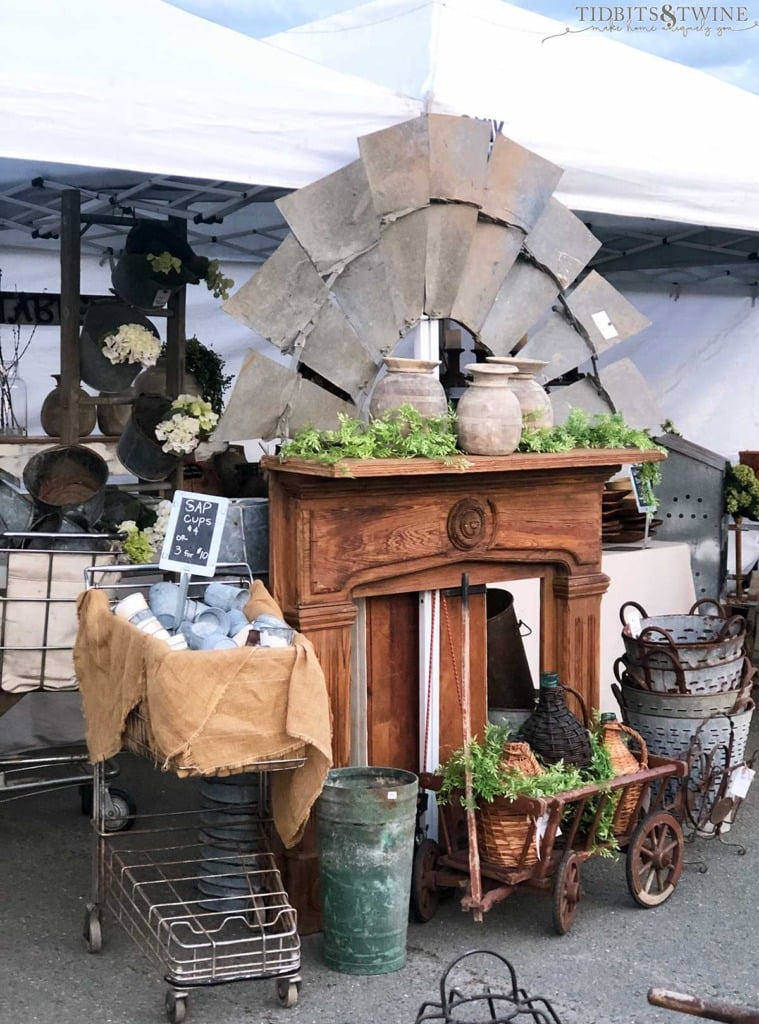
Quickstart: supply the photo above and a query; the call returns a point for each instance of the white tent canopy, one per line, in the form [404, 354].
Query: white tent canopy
[143, 86]
[637, 135]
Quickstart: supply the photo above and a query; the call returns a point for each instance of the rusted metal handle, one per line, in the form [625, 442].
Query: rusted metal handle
[733, 628]
[631, 604]
[623, 673]
[709, 1009]
[705, 601]
[677, 668]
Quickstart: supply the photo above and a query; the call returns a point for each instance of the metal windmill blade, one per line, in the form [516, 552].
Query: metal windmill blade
[269, 400]
[333, 218]
[334, 351]
[435, 156]
[518, 185]
[591, 319]
[437, 164]
[620, 387]
[556, 250]
[363, 294]
[282, 298]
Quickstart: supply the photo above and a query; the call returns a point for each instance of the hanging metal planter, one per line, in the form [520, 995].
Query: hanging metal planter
[138, 449]
[135, 279]
[95, 368]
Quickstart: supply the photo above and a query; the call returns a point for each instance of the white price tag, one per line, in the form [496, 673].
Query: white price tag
[739, 782]
[540, 830]
[634, 622]
[606, 328]
[392, 794]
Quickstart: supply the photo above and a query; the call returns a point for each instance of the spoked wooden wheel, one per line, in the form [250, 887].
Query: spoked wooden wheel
[567, 892]
[655, 859]
[425, 895]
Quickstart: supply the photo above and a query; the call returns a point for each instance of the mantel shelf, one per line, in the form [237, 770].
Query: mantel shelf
[585, 457]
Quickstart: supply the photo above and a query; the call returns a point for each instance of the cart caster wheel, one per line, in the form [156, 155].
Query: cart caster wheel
[655, 859]
[120, 810]
[425, 896]
[567, 892]
[287, 993]
[93, 930]
[176, 1006]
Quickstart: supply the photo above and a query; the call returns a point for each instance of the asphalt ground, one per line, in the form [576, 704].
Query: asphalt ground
[702, 941]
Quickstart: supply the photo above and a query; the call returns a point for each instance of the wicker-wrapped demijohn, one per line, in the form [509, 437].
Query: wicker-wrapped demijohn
[624, 761]
[552, 730]
[506, 836]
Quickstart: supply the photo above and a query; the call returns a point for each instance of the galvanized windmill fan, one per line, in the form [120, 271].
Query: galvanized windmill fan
[438, 218]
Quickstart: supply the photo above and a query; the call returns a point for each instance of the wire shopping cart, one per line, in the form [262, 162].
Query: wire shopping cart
[197, 888]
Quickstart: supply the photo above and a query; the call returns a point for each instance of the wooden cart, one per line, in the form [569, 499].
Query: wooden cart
[564, 831]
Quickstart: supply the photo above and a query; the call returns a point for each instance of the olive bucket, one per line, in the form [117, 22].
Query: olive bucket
[68, 480]
[138, 449]
[365, 822]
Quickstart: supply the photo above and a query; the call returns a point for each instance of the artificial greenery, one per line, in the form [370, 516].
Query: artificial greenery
[207, 367]
[216, 282]
[603, 430]
[137, 548]
[741, 492]
[491, 778]
[165, 263]
[402, 433]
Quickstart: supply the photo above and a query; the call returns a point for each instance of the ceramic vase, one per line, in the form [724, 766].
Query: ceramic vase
[113, 417]
[51, 415]
[537, 410]
[488, 416]
[409, 382]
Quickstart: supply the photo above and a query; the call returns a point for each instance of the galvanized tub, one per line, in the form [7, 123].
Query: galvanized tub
[700, 640]
[245, 536]
[663, 673]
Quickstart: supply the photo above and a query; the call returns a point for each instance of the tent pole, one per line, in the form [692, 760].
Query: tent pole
[175, 340]
[70, 303]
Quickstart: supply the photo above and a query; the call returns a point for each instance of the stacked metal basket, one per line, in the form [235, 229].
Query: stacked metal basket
[684, 683]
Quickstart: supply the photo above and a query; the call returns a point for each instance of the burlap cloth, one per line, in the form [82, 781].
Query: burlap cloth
[214, 710]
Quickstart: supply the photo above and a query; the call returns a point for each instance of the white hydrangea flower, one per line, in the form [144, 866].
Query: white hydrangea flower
[132, 343]
[190, 417]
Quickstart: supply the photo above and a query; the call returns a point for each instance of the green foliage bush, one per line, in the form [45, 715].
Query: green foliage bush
[741, 492]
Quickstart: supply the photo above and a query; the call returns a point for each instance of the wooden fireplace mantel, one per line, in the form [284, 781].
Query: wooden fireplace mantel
[363, 528]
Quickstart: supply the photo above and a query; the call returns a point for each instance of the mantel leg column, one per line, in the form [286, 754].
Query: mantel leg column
[328, 627]
[577, 629]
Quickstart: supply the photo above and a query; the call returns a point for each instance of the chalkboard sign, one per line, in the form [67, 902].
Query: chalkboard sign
[193, 534]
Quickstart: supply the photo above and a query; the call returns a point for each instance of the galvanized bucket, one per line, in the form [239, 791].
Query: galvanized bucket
[138, 449]
[67, 480]
[365, 822]
[245, 536]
